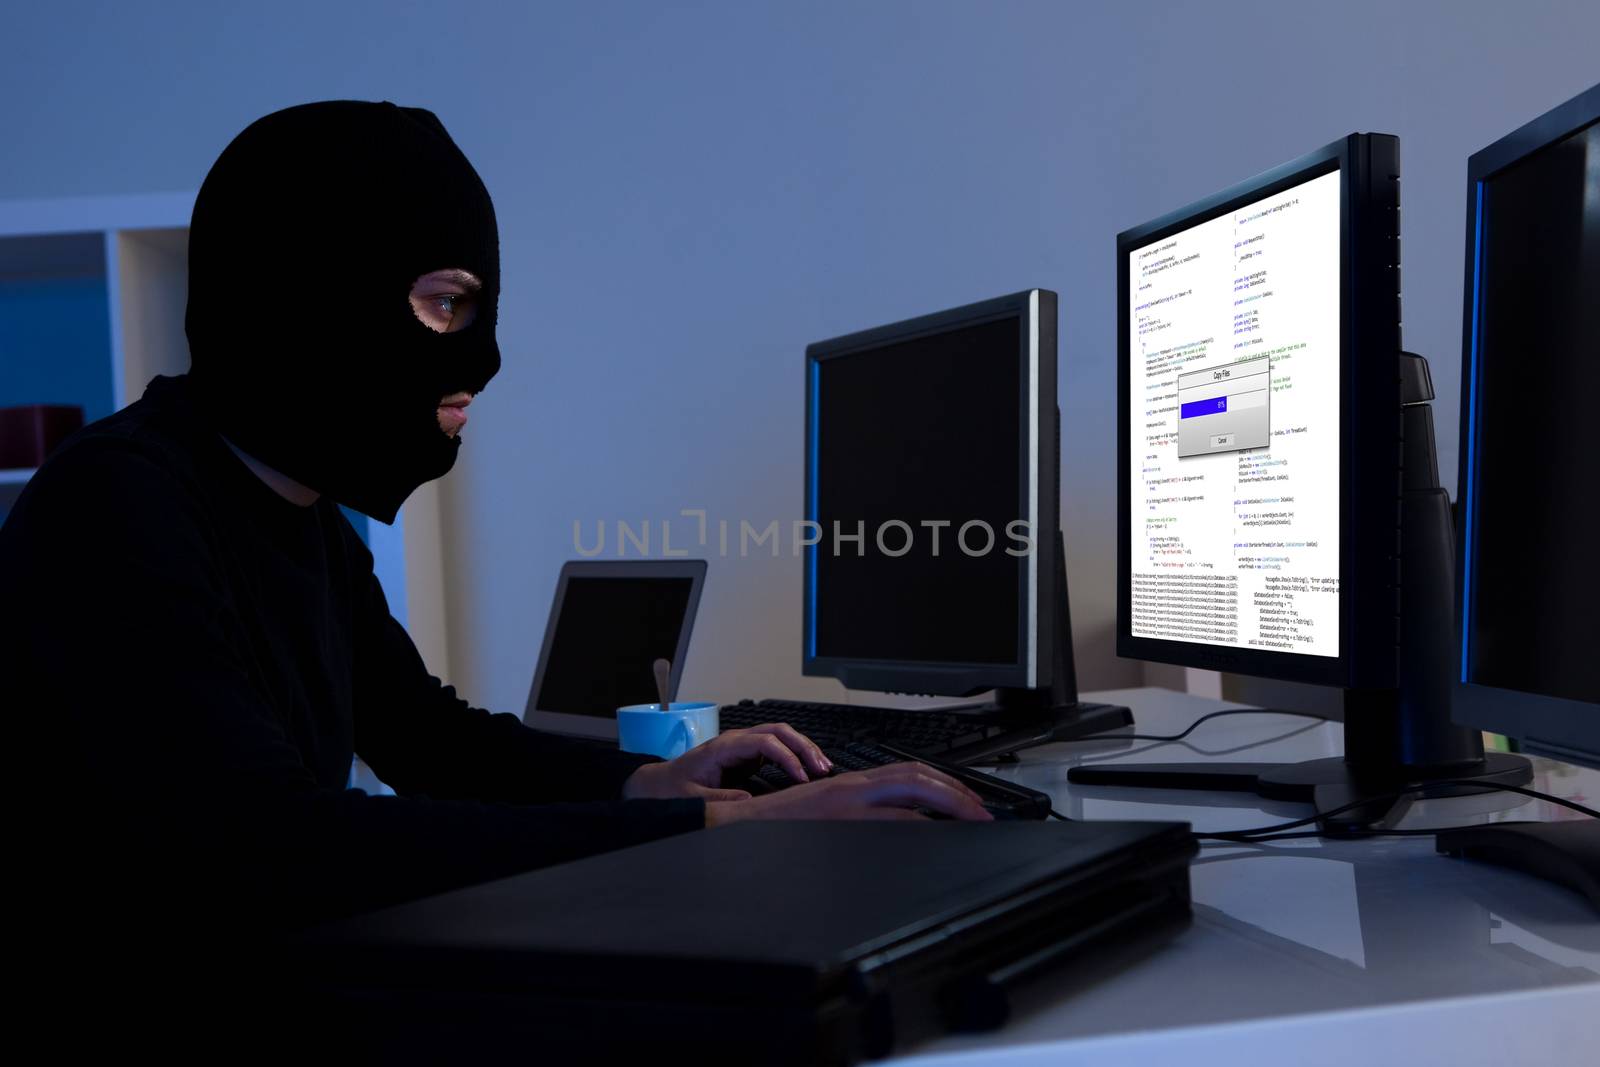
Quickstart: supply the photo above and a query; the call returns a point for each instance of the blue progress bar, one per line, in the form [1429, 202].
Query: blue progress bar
[1213, 406]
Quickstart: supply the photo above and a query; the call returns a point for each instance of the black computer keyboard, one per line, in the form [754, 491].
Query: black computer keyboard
[1003, 799]
[953, 737]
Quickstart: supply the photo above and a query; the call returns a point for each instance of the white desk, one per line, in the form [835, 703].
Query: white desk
[1310, 952]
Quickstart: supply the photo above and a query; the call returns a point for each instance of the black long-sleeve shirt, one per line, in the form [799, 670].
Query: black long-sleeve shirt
[193, 660]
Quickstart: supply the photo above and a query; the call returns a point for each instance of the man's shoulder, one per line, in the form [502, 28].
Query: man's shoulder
[135, 448]
[140, 459]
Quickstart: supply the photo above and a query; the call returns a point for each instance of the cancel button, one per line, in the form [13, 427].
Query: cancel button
[1222, 440]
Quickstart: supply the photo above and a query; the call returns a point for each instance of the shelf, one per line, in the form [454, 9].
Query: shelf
[12, 482]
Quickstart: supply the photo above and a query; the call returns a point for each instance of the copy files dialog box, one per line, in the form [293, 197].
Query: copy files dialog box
[1224, 409]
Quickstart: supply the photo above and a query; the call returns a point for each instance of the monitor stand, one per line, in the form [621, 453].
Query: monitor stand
[1395, 740]
[1049, 713]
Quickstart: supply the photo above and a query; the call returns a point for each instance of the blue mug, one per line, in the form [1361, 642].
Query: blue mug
[669, 733]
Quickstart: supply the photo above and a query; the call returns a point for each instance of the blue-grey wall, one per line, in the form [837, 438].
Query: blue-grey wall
[690, 192]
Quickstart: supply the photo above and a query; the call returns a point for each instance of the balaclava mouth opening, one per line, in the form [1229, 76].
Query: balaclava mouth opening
[307, 236]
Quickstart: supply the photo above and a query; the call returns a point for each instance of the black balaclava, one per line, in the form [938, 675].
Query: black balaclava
[307, 236]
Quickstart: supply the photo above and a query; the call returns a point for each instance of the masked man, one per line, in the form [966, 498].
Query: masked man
[194, 641]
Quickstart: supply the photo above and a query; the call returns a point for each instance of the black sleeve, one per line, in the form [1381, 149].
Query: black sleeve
[423, 739]
[157, 768]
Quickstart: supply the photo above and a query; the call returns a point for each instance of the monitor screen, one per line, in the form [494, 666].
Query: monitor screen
[1532, 568]
[920, 447]
[1233, 426]
[608, 634]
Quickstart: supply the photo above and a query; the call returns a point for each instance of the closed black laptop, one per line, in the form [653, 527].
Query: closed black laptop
[796, 942]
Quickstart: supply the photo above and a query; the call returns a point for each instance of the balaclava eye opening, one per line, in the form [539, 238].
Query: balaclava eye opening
[307, 236]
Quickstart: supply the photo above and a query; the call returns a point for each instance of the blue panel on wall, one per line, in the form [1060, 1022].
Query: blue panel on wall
[55, 343]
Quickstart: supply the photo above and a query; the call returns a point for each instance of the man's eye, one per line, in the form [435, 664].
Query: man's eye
[445, 311]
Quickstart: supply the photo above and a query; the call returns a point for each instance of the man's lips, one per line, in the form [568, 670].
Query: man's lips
[452, 412]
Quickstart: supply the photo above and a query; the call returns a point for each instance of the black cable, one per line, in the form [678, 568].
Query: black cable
[1257, 832]
[1355, 833]
[1120, 755]
[1562, 802]
[1251, 834]
[1257, 840]
[1415, 833]
[1275, 832]
[1113, 736]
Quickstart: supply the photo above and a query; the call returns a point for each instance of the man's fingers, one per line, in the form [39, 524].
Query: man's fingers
[920, 790]
[739, 746]
[798, 742]
[770, 747]
[721, 794]
[905, 814]
[900, 770]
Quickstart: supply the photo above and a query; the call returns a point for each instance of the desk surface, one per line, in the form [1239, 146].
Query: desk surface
[1378, 944]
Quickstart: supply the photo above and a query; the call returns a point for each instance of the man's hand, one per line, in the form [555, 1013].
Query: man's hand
[699, 772]
[891, 792]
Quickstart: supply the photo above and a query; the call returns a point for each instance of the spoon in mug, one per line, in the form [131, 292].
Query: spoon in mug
[663, 671]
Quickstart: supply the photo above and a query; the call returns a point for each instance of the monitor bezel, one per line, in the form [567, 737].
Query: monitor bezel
[1559, 727]
[1369, 471]
[1036, 308]
[692, 569]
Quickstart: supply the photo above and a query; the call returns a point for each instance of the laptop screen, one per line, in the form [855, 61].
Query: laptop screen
[609, 632]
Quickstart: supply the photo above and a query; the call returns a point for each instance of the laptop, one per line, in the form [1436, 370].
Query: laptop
[773, 942]
[609, 622]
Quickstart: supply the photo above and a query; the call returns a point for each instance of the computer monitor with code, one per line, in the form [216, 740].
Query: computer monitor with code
[1271, 519]
[1234, 426]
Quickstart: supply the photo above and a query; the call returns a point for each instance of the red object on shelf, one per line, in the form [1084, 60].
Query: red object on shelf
[28, 433]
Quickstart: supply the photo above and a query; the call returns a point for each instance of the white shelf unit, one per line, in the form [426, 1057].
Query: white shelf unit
[138, 245]
[11, 483]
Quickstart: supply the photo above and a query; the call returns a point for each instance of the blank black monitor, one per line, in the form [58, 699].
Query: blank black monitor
[1529, 565]
[931, 487]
